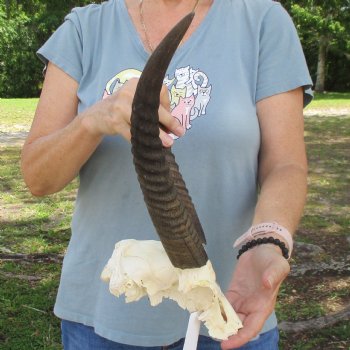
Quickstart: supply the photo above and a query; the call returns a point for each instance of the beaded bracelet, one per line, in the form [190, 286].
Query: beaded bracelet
[265, 240]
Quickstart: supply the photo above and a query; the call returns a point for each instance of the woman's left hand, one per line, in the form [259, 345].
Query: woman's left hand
[253, 290]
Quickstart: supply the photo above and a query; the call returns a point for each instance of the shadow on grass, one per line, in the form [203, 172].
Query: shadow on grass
[12, 185]
[26, 319]
[328, 150]
[33, 236]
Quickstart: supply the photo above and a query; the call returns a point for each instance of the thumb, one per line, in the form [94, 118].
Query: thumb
[164, 98]
[276, 272]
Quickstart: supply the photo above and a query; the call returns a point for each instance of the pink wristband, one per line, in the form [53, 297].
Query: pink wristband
[263, 228]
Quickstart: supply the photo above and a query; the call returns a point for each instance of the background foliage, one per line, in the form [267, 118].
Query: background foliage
[324, 30]
[24, 26]
[323, 26]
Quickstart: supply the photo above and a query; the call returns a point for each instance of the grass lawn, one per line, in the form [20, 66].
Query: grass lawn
[39, 229]
[16, 113]
[331, 100]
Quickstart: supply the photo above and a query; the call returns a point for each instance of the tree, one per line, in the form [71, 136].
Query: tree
[325, 25]
[24, 26]
[19, 69]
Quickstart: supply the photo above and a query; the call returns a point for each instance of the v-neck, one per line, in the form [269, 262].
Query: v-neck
[137, 39]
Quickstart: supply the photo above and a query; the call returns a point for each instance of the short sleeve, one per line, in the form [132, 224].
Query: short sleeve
[282, 65]
[64, 48]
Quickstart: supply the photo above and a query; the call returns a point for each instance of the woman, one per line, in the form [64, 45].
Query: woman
[232, 107]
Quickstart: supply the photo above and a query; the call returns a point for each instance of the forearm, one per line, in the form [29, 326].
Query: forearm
[50, 162]
[282, 160]
[60, 142]
[261, 270]
[282, 196]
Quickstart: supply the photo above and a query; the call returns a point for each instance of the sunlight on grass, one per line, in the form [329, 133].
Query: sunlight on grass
[34, 245]
[17, 112]
[30, 225]
[330, 100]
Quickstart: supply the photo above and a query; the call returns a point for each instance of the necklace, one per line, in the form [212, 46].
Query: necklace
[144, 28]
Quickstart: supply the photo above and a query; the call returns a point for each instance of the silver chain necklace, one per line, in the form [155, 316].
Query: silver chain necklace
[144, 28]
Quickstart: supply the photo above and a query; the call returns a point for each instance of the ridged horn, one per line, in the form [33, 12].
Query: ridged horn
[165, 194]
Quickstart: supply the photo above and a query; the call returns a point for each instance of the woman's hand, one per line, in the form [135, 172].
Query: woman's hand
[111, 116]
[60, 141]
[253, 290]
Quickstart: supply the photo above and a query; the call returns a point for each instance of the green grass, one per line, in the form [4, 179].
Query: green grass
[330, 100]
[336, 337]
[326, 222]
[17, 112]
[328, 141]
[26, 320]
[31, 225]
[305, 298]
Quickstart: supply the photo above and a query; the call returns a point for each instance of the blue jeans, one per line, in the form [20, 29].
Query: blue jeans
[76, 336]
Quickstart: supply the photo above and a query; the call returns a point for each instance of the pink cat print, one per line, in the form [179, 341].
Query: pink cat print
[182, 111]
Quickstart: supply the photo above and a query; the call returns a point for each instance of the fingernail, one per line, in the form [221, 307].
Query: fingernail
[168, 141]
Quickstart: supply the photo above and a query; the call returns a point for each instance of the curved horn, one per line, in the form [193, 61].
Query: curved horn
[165, 194]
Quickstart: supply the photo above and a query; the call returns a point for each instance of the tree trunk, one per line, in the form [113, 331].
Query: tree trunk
[321, 65]
[8, 9]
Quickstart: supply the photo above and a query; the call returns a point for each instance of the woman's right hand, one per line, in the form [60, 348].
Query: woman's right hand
[60, 141]
[111, 116]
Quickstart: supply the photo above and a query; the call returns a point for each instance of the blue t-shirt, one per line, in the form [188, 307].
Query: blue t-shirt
[242, 52]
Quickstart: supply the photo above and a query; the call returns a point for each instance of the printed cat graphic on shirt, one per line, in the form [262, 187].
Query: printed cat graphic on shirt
[182, 111]
[191, 84]
[184, 81]
[113, 87]
[167, 81]
[189, 92]
[200, 79]
[175, 94]
[182, 75]
[202, 100]
[191, 79]
[119, 80]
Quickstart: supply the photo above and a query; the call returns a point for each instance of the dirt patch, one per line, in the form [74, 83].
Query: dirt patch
[327, 112]
[335, 245]
[14, 138]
